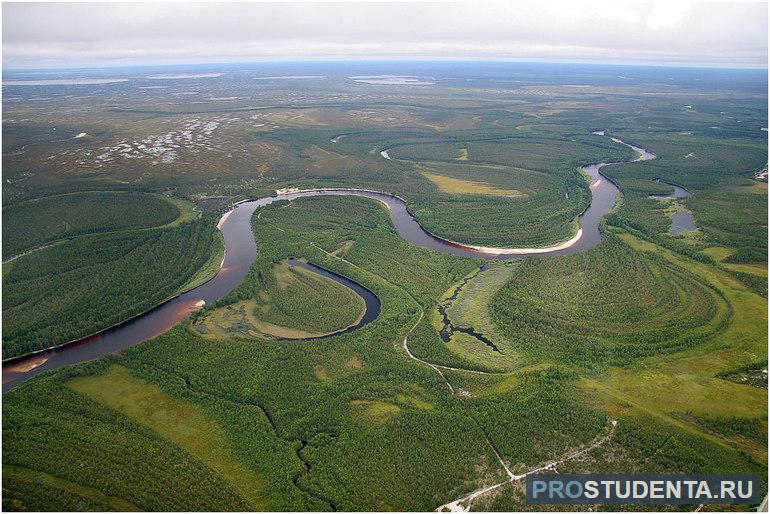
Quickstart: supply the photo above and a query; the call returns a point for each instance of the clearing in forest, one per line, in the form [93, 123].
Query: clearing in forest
[458, 186]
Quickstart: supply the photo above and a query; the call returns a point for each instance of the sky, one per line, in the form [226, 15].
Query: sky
[670, 32]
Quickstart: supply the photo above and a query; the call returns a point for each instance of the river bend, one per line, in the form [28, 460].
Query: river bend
[241, 251]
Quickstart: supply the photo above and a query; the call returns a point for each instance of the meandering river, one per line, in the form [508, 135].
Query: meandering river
[241, 251]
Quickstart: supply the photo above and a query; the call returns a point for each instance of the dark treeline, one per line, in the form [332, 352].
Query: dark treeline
[37, 222]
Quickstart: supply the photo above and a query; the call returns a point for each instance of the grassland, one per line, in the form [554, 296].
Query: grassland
[295, 304]
[181, 423]
[459, 186]
[753, 269]
[466, 305]
[116, 463]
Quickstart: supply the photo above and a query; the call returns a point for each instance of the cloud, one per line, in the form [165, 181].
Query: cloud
[74, 34]
[668, 14]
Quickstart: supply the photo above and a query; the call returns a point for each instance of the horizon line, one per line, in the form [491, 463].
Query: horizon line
[387, 60]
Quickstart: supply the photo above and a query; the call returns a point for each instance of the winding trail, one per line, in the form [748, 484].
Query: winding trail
[464, 504]
[33, 250]
[599, 184]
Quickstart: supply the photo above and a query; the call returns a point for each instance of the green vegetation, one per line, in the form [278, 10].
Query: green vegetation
[343, 430]
[648, 306]
[302, 299]
[666, 335]
[60, 461]
[664, 384]
[95, 259]
[182, 423]
[336, 422]
[41, 221]
[27, 490]
[640, 444]
[534, 417]
[293, 303]
[448, 184]
[754, 429]
[622, 374]
[521, 151]
[79, 287]
[210, 268]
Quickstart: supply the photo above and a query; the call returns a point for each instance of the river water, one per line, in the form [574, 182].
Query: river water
[241, 251]
[682, 220]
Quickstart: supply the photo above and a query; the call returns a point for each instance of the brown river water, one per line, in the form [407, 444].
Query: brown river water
[241, 251]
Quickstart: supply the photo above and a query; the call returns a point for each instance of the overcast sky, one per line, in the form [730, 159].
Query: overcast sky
[666, 32]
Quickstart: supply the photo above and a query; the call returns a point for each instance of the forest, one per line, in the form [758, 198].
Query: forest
[41, 221]
[88, 283]
[646, 353]
[363, 426]
[293, 302]
[550, 307]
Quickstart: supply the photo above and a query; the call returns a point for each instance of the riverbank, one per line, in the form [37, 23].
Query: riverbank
[241, 251]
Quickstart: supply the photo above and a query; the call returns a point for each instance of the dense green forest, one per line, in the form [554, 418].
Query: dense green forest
[37, 222]
[646, 353]
[362, 426]
[550, 307]
[81, 286]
